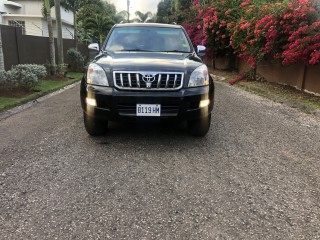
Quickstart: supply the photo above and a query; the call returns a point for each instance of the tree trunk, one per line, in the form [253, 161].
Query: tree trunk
[52, 56]
[75, 27]
[59, 31]
[1, 53]
[51, 46]
[100, 41]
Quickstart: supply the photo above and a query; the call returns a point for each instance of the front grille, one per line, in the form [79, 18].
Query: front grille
[148, 80]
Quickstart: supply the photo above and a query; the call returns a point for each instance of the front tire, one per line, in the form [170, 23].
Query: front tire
[200, 127]
[94, 126]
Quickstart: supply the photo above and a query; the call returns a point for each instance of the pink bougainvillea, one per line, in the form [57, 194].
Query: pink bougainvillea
[288, 31]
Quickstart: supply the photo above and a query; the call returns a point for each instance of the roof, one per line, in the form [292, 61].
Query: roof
[12, 4]
[147, 25]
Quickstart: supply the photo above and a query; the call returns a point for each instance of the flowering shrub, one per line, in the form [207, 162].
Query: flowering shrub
[254, 35]
[193, 24]
[257, 29]
[207, 25]
[217, 22]
[304, 35]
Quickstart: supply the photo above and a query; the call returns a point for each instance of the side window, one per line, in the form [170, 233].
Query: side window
[21, 24]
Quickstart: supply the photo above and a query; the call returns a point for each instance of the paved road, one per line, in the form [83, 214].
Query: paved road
[254, 176]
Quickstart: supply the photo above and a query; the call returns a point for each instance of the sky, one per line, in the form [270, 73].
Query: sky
[136, 5]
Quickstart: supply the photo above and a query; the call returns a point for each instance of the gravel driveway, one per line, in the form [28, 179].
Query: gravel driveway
[256, 175]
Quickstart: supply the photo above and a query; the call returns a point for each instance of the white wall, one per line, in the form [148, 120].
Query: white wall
[30, 7]
[39, 27]
[2, 7]
[35, 24]
[7, 9]
[34, 7]
[31, 24]
[66, 16]
[65, 32]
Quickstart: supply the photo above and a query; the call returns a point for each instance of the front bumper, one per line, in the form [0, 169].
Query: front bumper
[114, 105]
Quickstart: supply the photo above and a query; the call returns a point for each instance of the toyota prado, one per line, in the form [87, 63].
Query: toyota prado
[147, 71]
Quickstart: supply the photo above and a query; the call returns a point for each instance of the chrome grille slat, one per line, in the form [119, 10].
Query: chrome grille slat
[138, 81]
[150, 81]
[159, 81]
[121, 79]
[129, 79]
[175, 81]
[167, 80]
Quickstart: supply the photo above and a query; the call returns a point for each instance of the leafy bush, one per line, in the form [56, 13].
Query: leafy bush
[23, 78]
[23, 75]
[38, 70]
[7, 79]
[75, 60]
[3, 78]
[51, 69]
[62, 69]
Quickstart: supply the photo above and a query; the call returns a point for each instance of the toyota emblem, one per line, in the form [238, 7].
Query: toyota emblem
[148, 79]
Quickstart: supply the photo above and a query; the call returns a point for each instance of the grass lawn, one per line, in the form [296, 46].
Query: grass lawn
[282, 92]
[43, 88]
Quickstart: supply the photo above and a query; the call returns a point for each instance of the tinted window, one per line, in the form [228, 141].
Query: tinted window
[155, 39]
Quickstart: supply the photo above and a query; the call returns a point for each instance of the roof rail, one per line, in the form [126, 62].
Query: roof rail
[174, 23]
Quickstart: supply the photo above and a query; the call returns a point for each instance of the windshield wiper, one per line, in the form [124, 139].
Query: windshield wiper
[134, 50]
[178, 51]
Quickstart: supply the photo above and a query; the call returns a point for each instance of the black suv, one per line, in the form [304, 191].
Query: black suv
[147, 71]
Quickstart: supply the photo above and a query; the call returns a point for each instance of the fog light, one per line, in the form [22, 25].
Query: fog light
[91, 102]
[204, 103]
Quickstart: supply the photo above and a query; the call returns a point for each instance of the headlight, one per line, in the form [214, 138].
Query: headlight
[199, 77]
[96, 75]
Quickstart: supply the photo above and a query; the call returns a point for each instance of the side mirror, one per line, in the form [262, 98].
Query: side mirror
[94, 46]
[201, 50]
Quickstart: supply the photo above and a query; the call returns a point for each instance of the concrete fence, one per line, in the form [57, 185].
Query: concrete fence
[300, 76]
[306, 78]
[23, 49]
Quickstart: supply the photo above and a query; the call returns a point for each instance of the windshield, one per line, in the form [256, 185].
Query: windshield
[151, 39]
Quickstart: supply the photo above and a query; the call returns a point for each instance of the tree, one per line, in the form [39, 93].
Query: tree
[73, 6]
[1, 53]
[143, 17]
[86, 24]
[164, 11]
[121, 16]
[59, 31]
[99, 25]
[84, 35]
[184, 4]
[46, 11]
[153, 19]
[89, 10]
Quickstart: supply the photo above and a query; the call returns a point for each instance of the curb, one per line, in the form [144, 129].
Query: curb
[20, 108]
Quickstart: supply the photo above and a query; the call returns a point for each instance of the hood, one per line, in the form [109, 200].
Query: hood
[149, 61]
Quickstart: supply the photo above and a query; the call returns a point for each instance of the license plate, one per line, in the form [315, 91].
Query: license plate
[152, 110]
